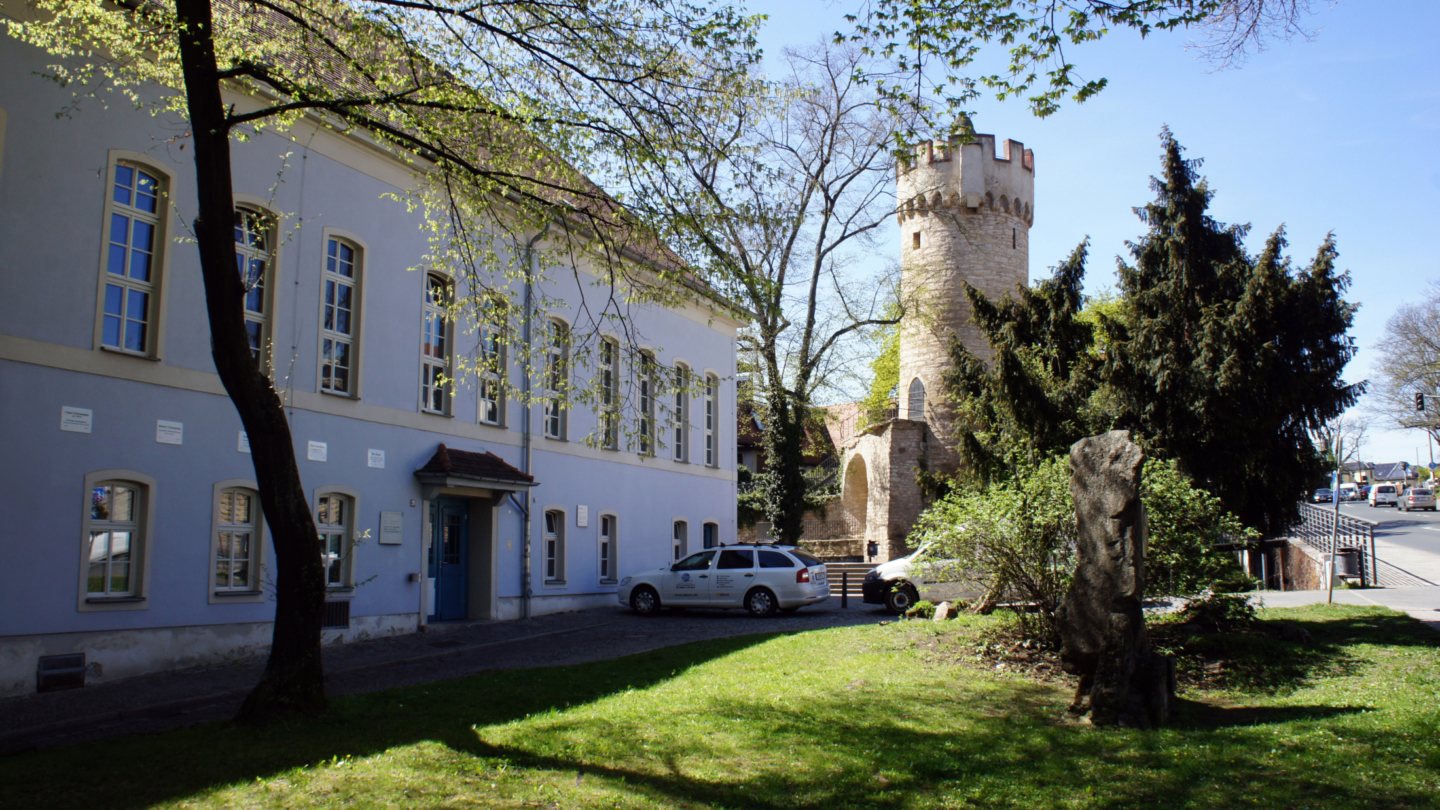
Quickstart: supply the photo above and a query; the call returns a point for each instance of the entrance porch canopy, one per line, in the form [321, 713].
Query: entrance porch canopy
[461, 469]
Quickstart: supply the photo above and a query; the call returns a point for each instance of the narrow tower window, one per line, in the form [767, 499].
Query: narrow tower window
[1013, 238]
[916, 242]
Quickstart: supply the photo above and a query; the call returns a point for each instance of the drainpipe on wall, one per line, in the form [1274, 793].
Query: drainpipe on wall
[525, 435]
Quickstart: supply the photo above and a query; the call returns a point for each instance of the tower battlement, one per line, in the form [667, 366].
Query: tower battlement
[966, 177]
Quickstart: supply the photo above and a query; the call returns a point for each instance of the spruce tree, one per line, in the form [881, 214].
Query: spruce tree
[1041, 392]
[1226, 363]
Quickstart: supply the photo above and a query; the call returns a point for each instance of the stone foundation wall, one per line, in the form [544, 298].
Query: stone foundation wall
[835, 523]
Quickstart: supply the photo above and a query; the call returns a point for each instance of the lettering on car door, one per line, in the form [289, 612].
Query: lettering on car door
[733, 574]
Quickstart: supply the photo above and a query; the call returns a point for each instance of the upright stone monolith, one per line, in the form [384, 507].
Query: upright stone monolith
[1102, 629]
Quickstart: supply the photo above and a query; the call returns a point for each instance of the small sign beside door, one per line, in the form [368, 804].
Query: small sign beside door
[376, 459]
[582, 516]
[392, 528]
[317, 451]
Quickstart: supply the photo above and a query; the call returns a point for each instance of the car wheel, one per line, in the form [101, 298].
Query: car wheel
[901, 598]
[645, 601]
[761, 602]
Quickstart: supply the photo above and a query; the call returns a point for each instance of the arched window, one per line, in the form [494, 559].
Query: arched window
[114, 539]
[609, 552]
[237, 541]
[554, 547]
[335, 520]
[682, 533]
[917, 400]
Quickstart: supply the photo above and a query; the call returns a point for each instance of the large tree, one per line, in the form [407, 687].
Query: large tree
[777, 226]
[1409, 364]
[1227, 363]
[505, 109]
[1224, 362]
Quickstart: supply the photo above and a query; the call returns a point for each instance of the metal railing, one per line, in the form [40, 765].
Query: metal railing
[1319, 523]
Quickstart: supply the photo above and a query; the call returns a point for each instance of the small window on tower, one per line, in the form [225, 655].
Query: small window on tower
[1013, 238]
[916, 242]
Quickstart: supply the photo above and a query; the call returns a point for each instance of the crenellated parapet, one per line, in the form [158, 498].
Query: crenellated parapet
[961, 177]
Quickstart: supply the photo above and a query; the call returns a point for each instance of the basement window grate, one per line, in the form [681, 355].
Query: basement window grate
[337, 614]
[60, 672]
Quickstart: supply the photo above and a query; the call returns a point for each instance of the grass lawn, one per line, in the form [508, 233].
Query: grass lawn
[850, 717]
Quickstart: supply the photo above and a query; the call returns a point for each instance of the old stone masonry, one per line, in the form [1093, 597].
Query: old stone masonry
[965, 213]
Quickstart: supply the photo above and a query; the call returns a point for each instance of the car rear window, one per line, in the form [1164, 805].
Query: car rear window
[1420, 491]
[774, 559]
[733, 558]
[805, 558]
[1385, 489]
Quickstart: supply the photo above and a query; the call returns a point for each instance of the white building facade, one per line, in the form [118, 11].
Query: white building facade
[134, 534]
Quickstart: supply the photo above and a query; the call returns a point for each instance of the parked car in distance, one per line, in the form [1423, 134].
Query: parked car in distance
[1349, 492]
[762, 578]
[1322, 495]
[900, 583]
[1383, 495]
[1365, 492]
[1416, 498]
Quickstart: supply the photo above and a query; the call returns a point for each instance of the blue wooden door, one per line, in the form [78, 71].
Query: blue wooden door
[448, 559]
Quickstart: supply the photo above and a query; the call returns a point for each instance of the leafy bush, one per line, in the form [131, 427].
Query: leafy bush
[1015, 538]
[1222, 611]
[921, 610]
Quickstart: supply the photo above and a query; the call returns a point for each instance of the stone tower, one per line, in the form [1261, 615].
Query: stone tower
[965, 213]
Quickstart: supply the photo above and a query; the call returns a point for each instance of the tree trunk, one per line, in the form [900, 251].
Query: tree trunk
[294, 677]
[784, 441]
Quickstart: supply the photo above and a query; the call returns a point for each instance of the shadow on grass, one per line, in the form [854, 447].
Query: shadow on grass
[1261, 660]
[826, 739]
[204, 757]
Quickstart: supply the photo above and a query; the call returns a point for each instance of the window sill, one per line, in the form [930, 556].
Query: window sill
[113, 600]
[554, 583]
[556, 438]
[128, 353]
[237, 594]
[346, 590]
[609, 583]
[434, 413]
[339, 394]
[498, 425]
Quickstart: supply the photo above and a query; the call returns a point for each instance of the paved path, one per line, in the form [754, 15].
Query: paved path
[166, 700]
[1421, 602]
[1407, 544]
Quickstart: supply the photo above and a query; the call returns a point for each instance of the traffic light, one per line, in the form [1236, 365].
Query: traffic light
[1419, 402]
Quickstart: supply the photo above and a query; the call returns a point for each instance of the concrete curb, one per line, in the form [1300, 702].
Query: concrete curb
[16, 741]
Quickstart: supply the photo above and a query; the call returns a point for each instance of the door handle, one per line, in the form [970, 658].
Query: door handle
[749, 575]
[704, 576]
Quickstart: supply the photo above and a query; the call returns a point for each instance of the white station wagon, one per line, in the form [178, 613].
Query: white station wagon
[762, 579]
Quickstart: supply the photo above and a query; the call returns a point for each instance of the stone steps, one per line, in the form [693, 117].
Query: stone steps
[857, 571]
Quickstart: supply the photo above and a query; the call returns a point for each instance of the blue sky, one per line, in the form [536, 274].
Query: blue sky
[1340, 134]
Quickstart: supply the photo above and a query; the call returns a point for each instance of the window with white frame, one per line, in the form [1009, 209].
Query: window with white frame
[237, 541]
[712, 387]
[681, 535]
[339, 317]
[132, 270]
[609, 558]
[116, 511]
[610, 394]
[435, 346]
[682, 413]
[711, 535]
[335, 521]
[557, 361]
[554, 546]
[646, 426]
[254, 258]
[492, 366]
